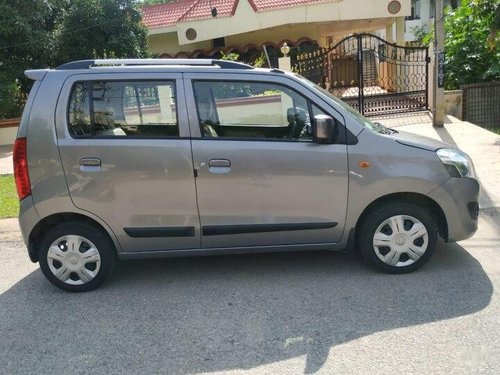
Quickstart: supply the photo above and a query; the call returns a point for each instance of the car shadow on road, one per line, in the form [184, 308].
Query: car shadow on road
[192, 315]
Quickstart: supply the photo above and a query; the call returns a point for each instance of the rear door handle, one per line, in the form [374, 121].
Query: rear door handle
[219, 163]
[90, 164]
[219, 166]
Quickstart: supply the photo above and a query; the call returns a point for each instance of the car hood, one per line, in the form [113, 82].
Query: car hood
[419, 141]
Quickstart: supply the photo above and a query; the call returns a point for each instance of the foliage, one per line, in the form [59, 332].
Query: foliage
[421, 34]
[260, 61]
[471, 43]
[43, 33]
[11, 100]
[257, 62]
[9, 203]
[25, 39]
[101, 29]
[231, 56]
[471, 55]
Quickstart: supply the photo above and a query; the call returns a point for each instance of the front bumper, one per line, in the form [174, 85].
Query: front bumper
[458, 199]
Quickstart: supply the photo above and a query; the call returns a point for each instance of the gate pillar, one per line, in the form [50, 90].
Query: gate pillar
[400, 31]
[284, 62]
[389, 36]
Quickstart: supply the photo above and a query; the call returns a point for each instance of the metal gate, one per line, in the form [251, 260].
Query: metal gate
[372, 75]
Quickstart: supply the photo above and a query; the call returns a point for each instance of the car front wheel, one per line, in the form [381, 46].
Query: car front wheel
[398, 237]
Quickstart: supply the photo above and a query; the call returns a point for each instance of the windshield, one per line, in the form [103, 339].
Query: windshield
[375, 127]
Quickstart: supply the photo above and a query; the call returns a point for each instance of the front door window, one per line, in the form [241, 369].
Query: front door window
[252, 110]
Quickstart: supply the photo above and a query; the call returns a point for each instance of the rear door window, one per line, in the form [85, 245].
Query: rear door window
[123, 109]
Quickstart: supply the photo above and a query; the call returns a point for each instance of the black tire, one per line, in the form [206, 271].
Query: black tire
[407, 212]
[103, 267]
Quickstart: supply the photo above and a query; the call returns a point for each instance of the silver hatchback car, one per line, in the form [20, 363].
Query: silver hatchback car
[151, 158]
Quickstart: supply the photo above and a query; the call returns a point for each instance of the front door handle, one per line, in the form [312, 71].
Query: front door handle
[219, 166]
[90, 164]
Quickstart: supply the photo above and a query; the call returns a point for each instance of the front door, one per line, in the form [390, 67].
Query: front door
[125, 148]
[262, 181]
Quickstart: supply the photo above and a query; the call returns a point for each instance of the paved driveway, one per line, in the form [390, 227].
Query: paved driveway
[291, 313]
[6, 166]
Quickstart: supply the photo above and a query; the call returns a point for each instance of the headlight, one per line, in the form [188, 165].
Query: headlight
[456, 162]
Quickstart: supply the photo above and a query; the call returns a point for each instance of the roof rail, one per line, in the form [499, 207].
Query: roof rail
[87, 64]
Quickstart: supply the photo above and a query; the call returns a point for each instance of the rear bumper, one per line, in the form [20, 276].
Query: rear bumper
[458, 198]
[28, 218]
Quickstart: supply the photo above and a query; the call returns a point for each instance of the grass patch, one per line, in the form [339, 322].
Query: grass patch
[9, 202]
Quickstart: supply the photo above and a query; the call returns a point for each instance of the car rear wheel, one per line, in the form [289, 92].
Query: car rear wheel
[76, 257]
[398, 237]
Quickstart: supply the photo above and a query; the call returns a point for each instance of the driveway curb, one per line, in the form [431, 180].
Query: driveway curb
[9, 225]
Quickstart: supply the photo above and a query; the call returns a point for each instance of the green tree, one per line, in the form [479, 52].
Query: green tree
[46, 33]
[471, 44]
[101, 29]
[25, 42]
[25, 36]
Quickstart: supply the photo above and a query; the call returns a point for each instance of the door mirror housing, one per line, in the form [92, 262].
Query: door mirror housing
[325, 129]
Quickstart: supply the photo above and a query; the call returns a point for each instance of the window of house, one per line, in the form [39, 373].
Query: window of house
[432, 8]
[123, 109]
[416, 9]
[252, 110]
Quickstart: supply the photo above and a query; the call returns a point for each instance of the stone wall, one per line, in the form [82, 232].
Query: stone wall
[8, 131]
[453, 103]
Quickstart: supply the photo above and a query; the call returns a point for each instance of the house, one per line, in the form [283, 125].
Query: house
[328, 41]
[209, 28]
[422, 16]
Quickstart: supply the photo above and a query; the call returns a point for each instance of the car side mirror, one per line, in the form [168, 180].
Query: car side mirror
[325, 129]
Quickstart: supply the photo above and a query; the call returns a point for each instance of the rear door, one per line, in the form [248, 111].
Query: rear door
[262, 181]
[125, 149]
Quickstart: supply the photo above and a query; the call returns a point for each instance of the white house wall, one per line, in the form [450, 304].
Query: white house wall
[246, 19]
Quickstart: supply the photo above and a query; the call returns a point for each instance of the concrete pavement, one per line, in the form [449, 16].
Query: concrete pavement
[293, 313]
[6, 166]
[9, 225]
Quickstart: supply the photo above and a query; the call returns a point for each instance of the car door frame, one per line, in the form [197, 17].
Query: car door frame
[276, 79]
[138, 242]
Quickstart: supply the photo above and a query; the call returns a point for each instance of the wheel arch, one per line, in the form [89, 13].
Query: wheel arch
[409, 197]
[49, 222]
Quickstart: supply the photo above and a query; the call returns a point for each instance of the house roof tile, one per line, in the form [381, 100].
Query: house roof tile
[263, 5]
[160, 15]
[202, 9]
[168, 14]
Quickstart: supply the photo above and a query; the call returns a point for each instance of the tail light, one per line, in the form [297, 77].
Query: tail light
[21, 168]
